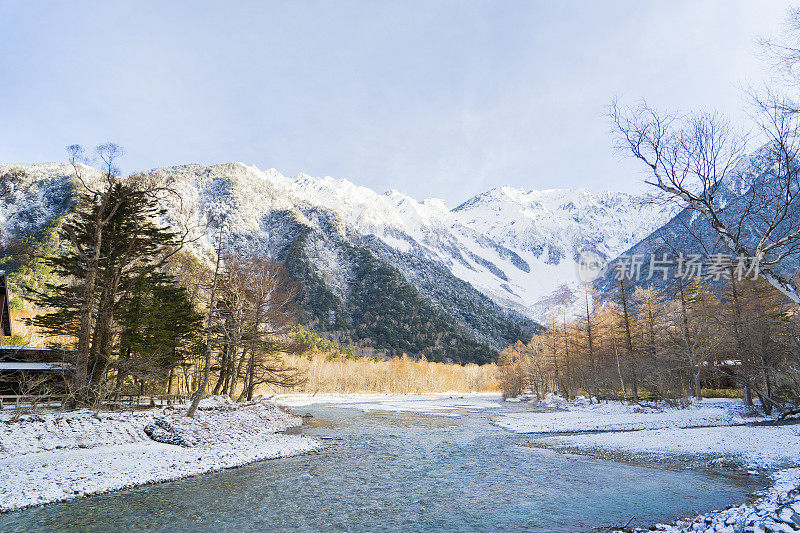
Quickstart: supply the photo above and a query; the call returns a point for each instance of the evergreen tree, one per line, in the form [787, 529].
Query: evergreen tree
[97, 274]
[159, 327]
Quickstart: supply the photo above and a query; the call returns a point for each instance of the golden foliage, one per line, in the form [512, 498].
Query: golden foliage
[398, 375]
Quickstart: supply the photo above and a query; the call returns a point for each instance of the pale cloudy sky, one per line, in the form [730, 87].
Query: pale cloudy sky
[434, 98]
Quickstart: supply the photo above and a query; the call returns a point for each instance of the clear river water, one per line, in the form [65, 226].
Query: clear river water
[402, 472]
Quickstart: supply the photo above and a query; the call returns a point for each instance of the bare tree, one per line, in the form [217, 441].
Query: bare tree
[692, 159]
[511, 372]
[271, 317]
[201, 389]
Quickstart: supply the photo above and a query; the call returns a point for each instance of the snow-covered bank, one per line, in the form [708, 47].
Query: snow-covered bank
[57, 456]
[580, 415]
[777, 511]
[708, 433]
[745, 447]
[440, 403]
[711, 432]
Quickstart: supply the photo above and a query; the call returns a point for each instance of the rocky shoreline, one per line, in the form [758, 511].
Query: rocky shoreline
[777, 511]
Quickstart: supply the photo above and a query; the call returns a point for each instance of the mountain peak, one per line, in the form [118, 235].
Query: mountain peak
[514, 246]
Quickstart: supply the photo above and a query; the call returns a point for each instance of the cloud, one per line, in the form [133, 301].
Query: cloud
[433, 98]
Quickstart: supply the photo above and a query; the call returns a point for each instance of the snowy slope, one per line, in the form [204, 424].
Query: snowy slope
[548, 230]
[518, 248]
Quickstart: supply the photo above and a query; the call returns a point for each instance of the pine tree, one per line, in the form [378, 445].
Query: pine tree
[159, 329]
[98, 274]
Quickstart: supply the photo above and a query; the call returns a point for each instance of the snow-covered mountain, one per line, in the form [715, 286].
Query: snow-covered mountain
[516, 247]
[481, 271]
[519, 248]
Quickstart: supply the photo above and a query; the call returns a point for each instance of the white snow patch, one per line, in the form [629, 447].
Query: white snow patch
[762, 447]
[441, 404]
[616, 416]
[57, 456]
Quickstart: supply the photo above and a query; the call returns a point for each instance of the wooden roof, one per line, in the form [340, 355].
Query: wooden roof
[42, 367]
[33, 353]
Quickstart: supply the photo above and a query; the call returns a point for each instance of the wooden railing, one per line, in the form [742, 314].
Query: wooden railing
[114, 400]
[19, 399]
[134, 400]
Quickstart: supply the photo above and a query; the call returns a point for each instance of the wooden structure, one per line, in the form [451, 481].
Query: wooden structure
[22, 365]
[5, 313]
[26, 371]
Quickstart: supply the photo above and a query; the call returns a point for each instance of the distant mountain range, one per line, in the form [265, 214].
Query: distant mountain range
[690, 234]
[386, 271]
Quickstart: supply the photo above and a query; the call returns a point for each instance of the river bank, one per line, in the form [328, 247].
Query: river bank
[55, 456]
[713, 434]
[471, 457]
[718, 435]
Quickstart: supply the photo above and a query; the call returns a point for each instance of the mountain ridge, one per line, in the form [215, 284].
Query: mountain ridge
[484, 272]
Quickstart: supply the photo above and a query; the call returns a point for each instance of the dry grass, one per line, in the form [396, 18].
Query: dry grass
[399, 375]
[342, 375]
[22, 332]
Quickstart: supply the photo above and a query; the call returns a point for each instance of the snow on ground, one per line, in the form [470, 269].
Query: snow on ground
[441, 404]
[709, 432]
[616, 416]
[778, 511]
[57, 456]
[749, 447]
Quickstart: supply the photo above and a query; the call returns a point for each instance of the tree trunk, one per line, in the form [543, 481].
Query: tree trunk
[85, 333]
[690, 355]
[104, 333]
[737, 330]
[209, 333]
[238, 371]
[629, 343]
[592, 367]
[223, 368]
[555, 368]
[619, 367]
[251, 375]
[767, 390]
[122, 367]
[566, 357]
[697, 387]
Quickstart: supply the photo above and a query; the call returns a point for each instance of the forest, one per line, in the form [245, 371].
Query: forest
[113, 285]
[741, 336]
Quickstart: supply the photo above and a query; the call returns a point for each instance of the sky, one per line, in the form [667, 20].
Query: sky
[434, 98]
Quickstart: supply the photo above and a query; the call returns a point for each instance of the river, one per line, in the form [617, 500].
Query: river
[402, 472]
